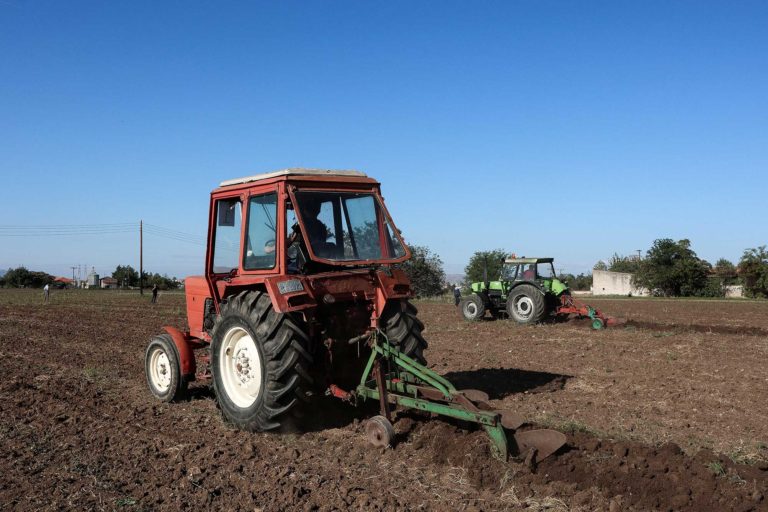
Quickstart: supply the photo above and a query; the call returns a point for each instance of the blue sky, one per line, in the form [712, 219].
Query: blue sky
[565, 129]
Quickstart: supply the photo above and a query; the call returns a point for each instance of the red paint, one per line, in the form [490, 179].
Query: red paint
[184, 347]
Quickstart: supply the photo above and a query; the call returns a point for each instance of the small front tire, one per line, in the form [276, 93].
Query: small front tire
[472, 308]
[161, 365]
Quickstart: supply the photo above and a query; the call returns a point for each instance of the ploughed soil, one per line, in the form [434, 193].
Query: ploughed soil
[660, 415]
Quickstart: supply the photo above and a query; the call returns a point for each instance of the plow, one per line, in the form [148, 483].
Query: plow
[302, 295]
[394, 379]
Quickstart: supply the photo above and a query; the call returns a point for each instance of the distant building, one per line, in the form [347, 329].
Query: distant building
[64, 282]
[108, 282]
[605, 282]
[734, 291]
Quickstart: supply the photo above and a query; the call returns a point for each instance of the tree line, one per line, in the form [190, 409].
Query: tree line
[672, 269]
[669, 268]
[126, 276]
[22, 277]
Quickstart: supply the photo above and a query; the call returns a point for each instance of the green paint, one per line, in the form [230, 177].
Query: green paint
[405, 374]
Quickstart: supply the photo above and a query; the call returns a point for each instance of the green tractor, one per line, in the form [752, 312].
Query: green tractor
[528, 291]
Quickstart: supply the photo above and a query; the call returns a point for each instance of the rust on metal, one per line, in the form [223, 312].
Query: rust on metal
[545, 441]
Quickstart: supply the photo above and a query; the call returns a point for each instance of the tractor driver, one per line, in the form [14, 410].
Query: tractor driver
[317, 231]
[530, 273]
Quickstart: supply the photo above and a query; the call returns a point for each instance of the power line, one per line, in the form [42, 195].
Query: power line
[179, 237]
[10, 230]
[174, 234]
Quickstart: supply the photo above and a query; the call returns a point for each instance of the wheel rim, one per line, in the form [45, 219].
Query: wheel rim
[240, 367]
[470, 309]
[523, 307]
[160, 370]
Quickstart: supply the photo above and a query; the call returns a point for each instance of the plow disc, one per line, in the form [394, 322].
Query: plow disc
[544, 441]
[394, 379]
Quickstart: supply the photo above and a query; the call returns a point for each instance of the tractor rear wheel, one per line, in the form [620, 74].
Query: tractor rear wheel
[472, 308]
[259, 361]
[526, 304]
[403, 329]
[161, 364]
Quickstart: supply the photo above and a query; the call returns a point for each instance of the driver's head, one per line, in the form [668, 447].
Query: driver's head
[311, 207]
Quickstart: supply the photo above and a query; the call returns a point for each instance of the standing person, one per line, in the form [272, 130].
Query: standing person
[154, 294]
[456, 295]
[46, 293]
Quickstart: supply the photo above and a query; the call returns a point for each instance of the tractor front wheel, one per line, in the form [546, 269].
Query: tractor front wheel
[472, 308]
[259, 361]
[526, 305]
[161, 364]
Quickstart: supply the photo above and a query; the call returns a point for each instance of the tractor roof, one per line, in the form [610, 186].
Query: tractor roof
[294, 171]
[524, 261]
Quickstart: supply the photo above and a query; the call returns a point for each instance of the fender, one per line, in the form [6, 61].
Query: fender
[187, 365]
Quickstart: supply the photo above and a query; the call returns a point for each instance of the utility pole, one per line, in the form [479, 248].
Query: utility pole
[74, 283]
[141, 257]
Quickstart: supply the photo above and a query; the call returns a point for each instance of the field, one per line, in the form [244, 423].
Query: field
[664, 412]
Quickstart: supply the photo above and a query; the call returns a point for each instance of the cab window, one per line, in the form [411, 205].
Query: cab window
[226, 245]
[261, 230]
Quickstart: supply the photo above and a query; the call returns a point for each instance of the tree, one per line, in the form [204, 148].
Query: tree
[425, 271]
[163, 282]
[753, 269]
[600, 265]
[726, 271]
[672, 269]
[494, 260]
[126, 276]
[23, 278]
[579, 282]
[629, 264]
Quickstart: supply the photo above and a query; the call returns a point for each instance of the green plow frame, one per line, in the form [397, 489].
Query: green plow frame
[392, 377]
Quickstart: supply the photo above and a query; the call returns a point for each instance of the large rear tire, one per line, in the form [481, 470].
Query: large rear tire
[259, 361]
[472, 308]
[403, 329]
[526, 304]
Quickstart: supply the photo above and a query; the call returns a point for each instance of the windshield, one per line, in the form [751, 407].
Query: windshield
[348, 226]
[546, 271]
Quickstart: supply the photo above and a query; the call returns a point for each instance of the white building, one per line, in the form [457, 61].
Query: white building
[605, 282]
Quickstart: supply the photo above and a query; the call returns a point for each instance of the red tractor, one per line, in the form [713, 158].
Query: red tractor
[301, 295]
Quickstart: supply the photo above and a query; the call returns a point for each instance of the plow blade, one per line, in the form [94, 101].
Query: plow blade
[511, 420]
[394, 379]
[475, 395]
[544, 441]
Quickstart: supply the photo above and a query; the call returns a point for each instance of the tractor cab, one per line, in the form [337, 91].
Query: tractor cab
[538, 271]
